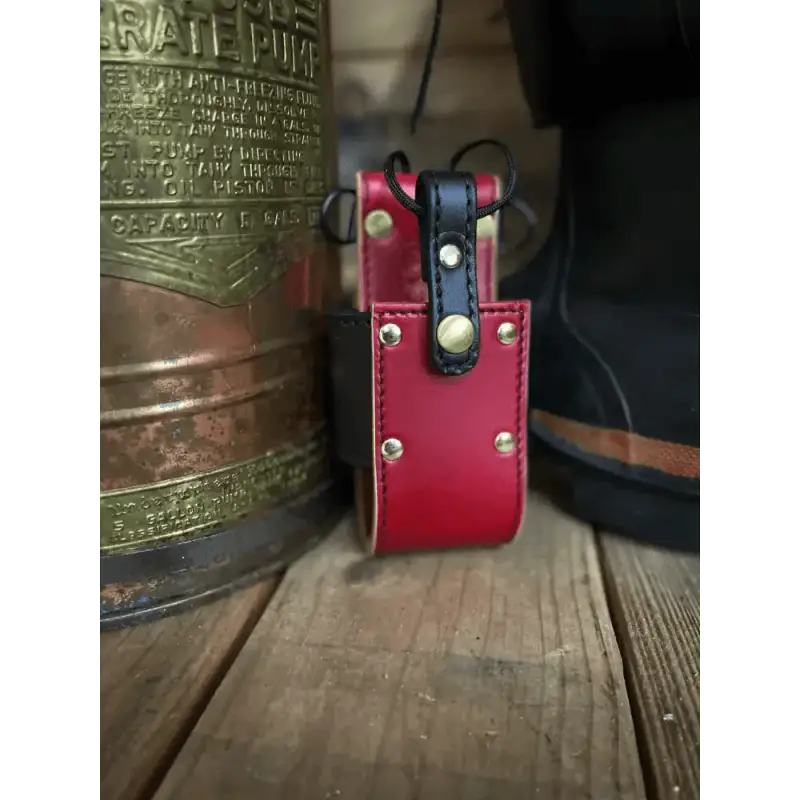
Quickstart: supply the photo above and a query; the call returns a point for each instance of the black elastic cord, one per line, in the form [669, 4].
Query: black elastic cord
[483, 211]
[400, 158]
[512, 172]
[324, 223]
[422, 93]
[400, 155]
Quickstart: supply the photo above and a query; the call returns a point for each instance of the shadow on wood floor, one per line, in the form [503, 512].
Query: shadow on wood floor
[565, 665]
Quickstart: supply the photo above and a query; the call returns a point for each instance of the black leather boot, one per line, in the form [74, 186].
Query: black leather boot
[615, 368]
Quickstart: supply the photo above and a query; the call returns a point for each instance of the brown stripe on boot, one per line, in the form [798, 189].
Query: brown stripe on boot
[681, 460]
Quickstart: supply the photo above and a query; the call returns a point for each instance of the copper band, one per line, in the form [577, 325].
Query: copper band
[681, 460]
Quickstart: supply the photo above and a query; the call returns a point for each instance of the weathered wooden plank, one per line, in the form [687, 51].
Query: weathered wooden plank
[654, 596]
[471, 675]
[155, 681]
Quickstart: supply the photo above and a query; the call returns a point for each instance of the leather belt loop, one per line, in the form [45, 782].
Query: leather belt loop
[447, 236]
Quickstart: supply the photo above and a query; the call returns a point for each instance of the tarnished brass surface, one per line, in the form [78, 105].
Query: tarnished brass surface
[215, 153]
[211, 158]
[199, 503]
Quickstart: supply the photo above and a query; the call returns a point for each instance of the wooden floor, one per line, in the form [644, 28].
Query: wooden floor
[563, 666]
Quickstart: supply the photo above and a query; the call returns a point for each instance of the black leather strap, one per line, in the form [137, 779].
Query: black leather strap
[350, 359]
[448, 202]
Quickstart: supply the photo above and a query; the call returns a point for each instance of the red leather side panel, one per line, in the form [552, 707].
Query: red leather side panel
[389, 266]
[450, 487]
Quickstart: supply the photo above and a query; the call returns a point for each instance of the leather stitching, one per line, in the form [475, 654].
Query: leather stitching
[521, 361]
[367, 250]
[437, 268]
[470, 258]
[379, 522]
[469, 265]
[520, 413]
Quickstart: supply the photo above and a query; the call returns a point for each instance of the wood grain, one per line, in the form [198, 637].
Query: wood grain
[468, 674]
[364, 27]
[155, 681]
[654, 596]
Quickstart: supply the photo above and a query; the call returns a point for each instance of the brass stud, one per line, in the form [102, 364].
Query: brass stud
[450, 256]
[486, 227]
[455, 334]
[392, 449]
[378, 223]
[507, 333]
[504, 442]
[390, 334]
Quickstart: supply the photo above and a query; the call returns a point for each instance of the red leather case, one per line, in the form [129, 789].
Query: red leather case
[389, 265]
[451, 487]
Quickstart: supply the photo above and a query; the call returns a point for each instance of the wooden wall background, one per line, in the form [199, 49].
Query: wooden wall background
[379, 50]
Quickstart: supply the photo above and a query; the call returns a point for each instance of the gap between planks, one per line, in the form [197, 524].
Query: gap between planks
[654, 597]
[157, 678]
[468, 674]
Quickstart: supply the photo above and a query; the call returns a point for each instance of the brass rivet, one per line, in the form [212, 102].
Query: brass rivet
[504, 442]
[507, 333]
[455, 334]
[450, 256]
[392, 449]
[390, 334]
[485, 228]
[378, 223]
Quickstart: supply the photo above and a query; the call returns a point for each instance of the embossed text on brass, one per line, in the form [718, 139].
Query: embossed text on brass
[176, 509]
[211, 152]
